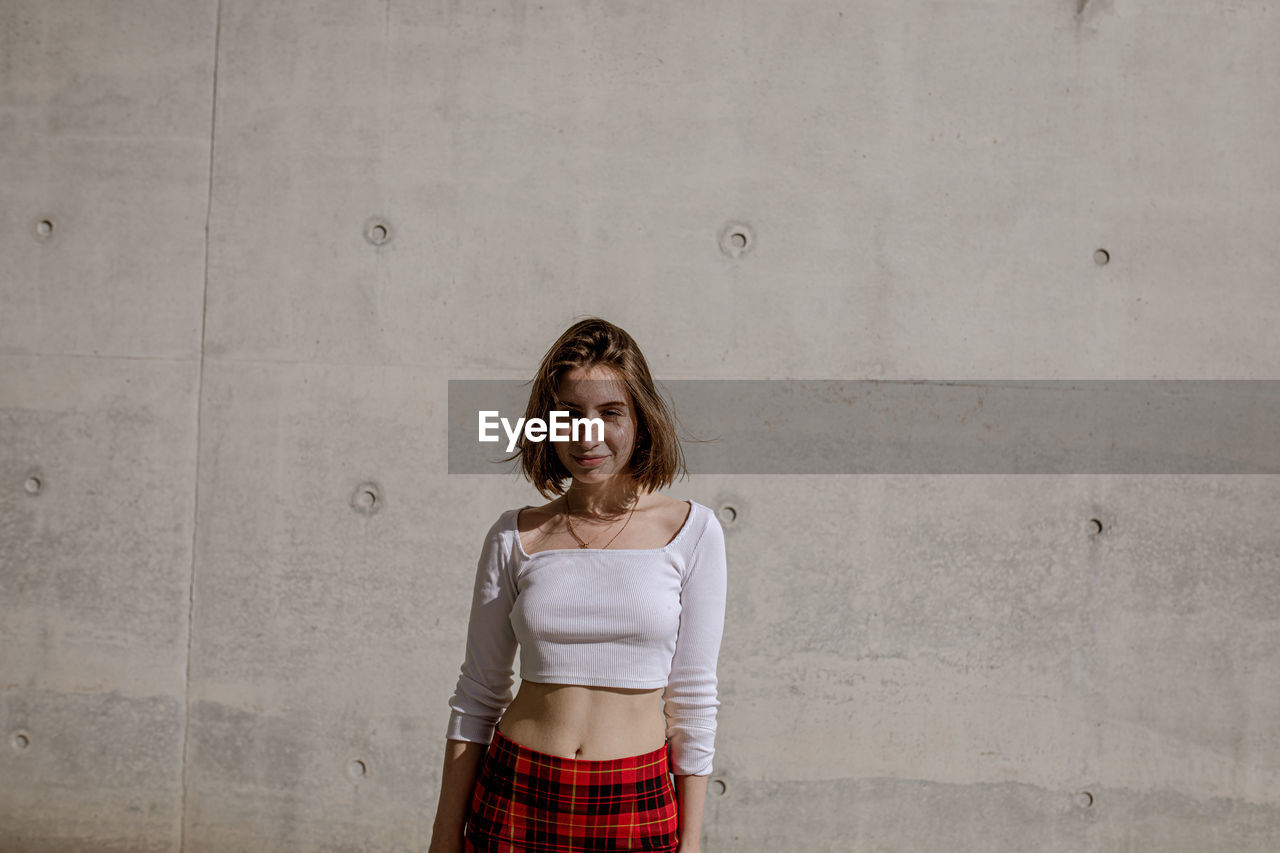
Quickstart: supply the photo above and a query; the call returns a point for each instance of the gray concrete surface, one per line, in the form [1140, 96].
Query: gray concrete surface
[234, 569]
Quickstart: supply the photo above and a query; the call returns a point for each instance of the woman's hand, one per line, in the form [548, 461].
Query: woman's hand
[691, 795]
[440, 845]
[457, 780]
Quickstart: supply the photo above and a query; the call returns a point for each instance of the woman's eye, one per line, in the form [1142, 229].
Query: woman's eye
[574, 413]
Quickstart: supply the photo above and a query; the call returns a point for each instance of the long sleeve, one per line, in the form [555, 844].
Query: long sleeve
[690, 698]
[485, 684]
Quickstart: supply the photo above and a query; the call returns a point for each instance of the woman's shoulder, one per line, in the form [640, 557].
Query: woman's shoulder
[529, 519]
[698, 519]
[679, 510]
[504, 526]
[703, 520]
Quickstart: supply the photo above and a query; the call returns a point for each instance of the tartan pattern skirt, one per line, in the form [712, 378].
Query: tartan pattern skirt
[530, 802]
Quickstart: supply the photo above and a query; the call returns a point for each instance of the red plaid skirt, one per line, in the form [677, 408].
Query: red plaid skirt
[531, 802]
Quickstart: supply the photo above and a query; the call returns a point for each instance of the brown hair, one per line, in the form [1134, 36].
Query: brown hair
[656, 458]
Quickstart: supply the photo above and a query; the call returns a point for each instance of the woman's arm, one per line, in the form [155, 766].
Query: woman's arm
[691, 794]
[483, 691]
[690, 699]
[457, 780]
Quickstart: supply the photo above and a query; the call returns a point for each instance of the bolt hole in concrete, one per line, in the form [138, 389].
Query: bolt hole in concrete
[718, 787]
[1101, 257]
[728, 513]
[736, 239]
[20, 742]
[377, 232]
[44, 228]
[1084, 799]
[367, 498]
[32, 485]
[1095, 526]
[357, 769]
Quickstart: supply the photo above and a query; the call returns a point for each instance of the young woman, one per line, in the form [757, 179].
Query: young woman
[615, 595]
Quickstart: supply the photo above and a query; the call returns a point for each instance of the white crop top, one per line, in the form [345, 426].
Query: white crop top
[640, 618]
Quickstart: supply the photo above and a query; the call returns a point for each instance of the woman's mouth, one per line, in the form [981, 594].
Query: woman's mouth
[589, 461]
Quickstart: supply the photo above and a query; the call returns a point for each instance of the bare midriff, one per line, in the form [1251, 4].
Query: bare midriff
[588, 723]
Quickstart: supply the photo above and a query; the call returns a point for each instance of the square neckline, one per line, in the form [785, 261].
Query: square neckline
[688, 520]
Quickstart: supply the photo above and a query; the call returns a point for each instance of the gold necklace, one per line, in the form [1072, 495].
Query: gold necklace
[569, 519]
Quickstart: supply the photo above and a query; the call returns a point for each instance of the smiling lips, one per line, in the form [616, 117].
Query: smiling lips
[589, 461]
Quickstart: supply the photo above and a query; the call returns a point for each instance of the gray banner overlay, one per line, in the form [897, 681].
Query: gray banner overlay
[811, 426]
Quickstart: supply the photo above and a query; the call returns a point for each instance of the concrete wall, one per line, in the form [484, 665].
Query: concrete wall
[234, 569]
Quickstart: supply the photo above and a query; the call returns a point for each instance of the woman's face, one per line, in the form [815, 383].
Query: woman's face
[597, 393]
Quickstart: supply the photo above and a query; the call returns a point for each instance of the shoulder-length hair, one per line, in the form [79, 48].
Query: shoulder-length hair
[656, 458]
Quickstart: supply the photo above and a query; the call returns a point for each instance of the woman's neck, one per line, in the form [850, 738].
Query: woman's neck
[603, 500]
